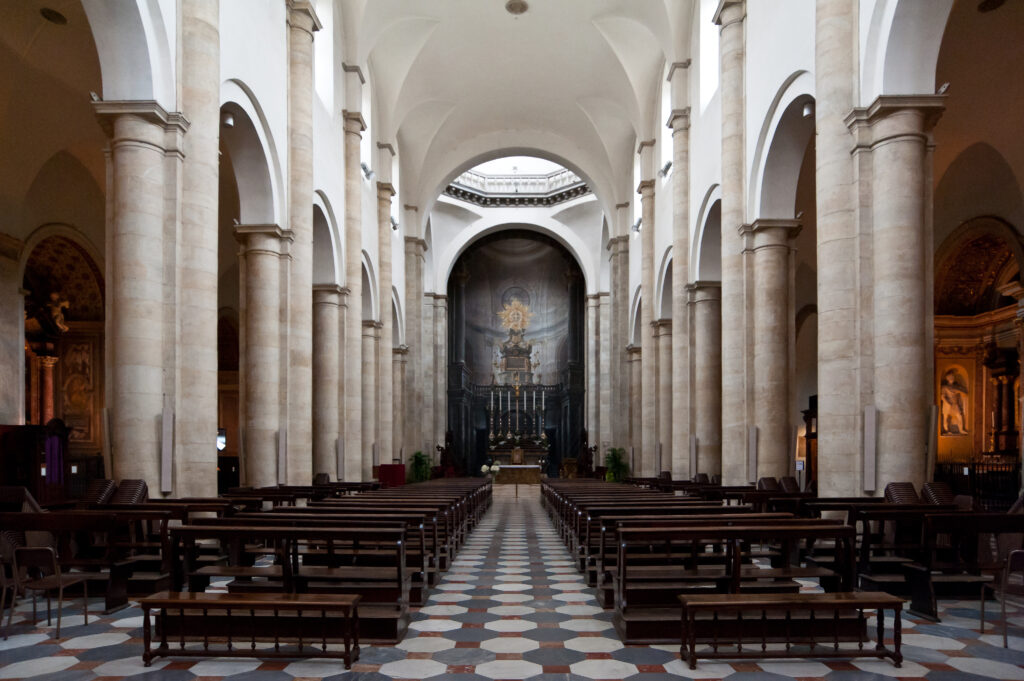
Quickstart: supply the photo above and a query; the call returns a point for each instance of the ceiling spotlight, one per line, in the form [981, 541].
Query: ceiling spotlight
[808, 110]
[516, 7]
[989, 5]
[367, 171]
[227, 119]
[53, 16]
[394, 223]
[637, 225]
[942, 89]
[665, 168]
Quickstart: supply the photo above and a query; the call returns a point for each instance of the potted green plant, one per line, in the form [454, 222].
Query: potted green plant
[419, 467]
[615, 462]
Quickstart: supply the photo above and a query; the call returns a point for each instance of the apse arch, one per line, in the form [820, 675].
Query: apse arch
[58, 229]
[445, 261]
[780, 148]
[635, 332]
[136, 57]
[979, 181]
[706, 258]
[254, 156]
[902, 47]
[492, 146]
[971, 264]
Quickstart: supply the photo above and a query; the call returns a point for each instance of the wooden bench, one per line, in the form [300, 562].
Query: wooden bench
[822, 621]
[241, 621]
[645, 584]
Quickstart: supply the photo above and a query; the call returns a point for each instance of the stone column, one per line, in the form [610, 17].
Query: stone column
[896, 130]
[325, 377]
[399, 357]
[414, 417]
[663, 335]
[705, 297]
[731, 16]
[440, 342]
[839, 388]
[633, 355]
[770, 241]
[593, 368]
[195, 422]
[302, 22]
[604, 438]
[46, 365]
[12, 338]
[262, 248]
[649, 359]
[141, 135]
[385, 380]
[618, 368]
[681, 415]
[353, 380]
[342, 471]
[371, 337]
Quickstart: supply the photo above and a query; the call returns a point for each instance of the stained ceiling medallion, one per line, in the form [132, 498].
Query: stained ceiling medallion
[516, 7]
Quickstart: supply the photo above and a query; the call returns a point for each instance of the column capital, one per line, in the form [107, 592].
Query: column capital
[354, 68]
[704, 291]
[385, 190]
[905, 114]
[416, 243]
[644, 144]
[270, 238]
[147, 110]
[372, 324]
[326, 294]
[662, 327]
[679, 119]
[48, 361]
[677, 65]
[633, 351]
[645, 188]
[618, 244]
[354, 121]
[729, 12]
[400, 350]
[302, 15]
[10, 247]
[771, 231]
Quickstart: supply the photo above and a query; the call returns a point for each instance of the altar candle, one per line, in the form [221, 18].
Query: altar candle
[535, 400]
[492, 400]
[542, 401]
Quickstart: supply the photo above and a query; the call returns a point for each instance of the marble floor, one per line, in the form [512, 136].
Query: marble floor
[511, 607]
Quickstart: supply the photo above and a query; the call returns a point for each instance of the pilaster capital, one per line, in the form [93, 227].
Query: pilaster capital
[438, 297]
[677, 65]
[354, 68]
[662, 327]
[644, 144]
[10, 247]
[373, 324]
[48, 361]
[302, 15]
[400, 350]
[729, 12]
[633, 352]
[770, 232]
[645, 188]
[618, 244]
[354, 122]
[417, 245]
[269, 239]
[386, 146]
[147, 111]
[679, 119]
[385, 190]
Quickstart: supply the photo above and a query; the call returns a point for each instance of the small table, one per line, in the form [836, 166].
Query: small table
[526, 474]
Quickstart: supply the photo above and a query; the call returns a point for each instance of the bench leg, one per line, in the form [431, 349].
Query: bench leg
[147, 654]
[897, 636]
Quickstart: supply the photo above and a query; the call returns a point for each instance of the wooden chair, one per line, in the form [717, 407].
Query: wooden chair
[99, 491]
[1014, 565]
[789, 485]
[702, 479]
[42, 573]
[901, 493]
[321, 479]
[768, 484]
[131, 492]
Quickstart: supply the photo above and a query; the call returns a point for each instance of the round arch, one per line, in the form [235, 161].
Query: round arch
[135, 47]
[370, 306]
[663, 289]
[254, 156]
[780, 149]
[328, 247]
[48, 230]
[634, 317]
[398, 337]
[901, 48]
[706, 258]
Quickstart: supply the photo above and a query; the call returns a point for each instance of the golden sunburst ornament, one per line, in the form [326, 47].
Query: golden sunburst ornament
[515, 316]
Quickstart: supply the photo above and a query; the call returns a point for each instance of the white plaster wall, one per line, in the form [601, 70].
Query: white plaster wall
[780, 42]
[258, 27]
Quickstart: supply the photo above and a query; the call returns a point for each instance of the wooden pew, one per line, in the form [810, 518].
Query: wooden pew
[641, 598]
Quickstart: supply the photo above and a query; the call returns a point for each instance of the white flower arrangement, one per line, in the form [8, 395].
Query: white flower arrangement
[495, 468]
[485, 468]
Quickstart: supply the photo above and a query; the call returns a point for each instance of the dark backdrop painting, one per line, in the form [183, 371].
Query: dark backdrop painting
[516, 302]
[534, 273]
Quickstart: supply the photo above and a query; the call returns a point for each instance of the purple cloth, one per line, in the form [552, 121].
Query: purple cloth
[54, 461]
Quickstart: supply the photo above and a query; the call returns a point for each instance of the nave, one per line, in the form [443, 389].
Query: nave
[512, 606]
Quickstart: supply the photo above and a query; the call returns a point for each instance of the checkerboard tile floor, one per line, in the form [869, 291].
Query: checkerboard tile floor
[511, 607]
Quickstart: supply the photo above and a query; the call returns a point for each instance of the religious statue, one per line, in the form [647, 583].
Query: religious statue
[56, 307]
[515, 366]
[954, 403]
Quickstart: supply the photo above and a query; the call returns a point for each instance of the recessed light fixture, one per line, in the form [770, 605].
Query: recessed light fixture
[516, 7]
[53, 16]
[227, 119]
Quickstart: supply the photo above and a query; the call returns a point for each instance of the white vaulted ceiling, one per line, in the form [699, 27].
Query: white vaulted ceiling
[457, 82]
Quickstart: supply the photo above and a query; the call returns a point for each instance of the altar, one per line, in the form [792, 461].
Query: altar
[531, 455]
[518, 474]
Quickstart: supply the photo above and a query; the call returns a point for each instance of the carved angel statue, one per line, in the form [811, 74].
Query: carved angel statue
[56, 307]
